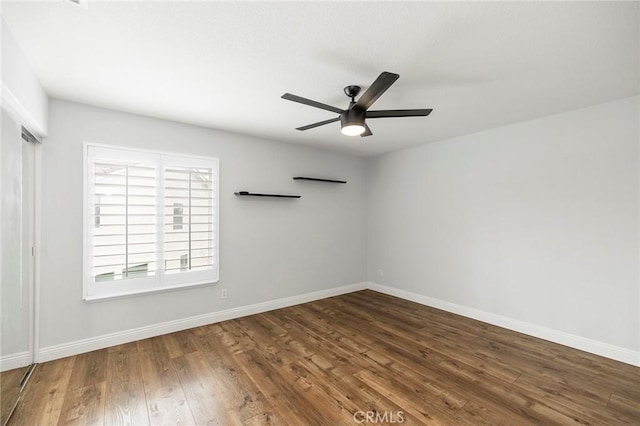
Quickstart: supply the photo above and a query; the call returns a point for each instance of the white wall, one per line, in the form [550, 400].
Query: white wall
[536, 221]
[22, 95]
[269, 248]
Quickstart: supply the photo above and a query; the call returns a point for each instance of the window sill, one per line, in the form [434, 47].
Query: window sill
[105, 297]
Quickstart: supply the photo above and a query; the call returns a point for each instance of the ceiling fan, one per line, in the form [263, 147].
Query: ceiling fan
[352, 119]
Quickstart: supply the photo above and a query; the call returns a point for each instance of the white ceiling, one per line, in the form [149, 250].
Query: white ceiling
[225, 65]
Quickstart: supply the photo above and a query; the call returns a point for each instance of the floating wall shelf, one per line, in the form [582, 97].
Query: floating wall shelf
[319, 180]
[254, 194]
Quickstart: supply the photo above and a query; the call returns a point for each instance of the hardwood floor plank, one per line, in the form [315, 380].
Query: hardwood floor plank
[172, 345]
[317, 323]
[9, 391]
[365, 398]
[302, 345]
[426, 351]
[630, 409]
[278, 391]
[343, 394]
[476, 413]
[261, 335]
[233, 338]
[240, 393]
[334, 408]
[205, 399]
[441, 343]
[166, 401]
[264, 419]
[626, 384]
[571, 400]
[125, 402]
[168, 406]
[84, 405]
[581, 390]
[213, 328]
[508, 399]
[88, 369]
[330, 351]
[498, 356]
[180, 343]
[409, 399]
[432, 319]
[45, 394]
[155, 365]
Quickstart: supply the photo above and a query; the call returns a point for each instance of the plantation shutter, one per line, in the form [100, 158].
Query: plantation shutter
[122, 219]
[190, 210]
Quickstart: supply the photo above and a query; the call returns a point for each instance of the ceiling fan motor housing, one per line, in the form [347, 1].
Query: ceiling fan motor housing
[352, 117]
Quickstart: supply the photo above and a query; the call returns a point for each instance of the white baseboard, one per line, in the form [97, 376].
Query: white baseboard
[607, 350]
[17, 360]
[100, 342]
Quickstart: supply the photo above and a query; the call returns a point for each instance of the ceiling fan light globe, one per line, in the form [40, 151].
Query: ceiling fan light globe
[352, 122]
[352, 129]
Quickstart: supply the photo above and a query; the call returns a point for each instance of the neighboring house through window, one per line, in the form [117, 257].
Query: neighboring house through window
[178, 211]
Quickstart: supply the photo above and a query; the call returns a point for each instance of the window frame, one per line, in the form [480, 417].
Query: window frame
[160, 281]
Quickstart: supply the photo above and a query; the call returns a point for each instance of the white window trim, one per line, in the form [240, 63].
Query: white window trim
[160, 282]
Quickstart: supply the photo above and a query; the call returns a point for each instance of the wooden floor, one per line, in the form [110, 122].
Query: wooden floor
[361, 358]
[9, 390]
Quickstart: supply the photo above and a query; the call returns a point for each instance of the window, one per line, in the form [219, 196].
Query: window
[151, 221]
[177, 215]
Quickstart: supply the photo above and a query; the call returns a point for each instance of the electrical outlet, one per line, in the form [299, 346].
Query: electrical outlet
[381, 272]
[223, 293]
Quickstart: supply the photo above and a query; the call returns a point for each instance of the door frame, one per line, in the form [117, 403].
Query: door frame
[34, 258]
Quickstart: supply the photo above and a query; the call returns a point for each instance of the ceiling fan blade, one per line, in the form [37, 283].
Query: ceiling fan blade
[382, 83]
[305, 101]
[367, 131]
[398, 113]
[318, 124]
